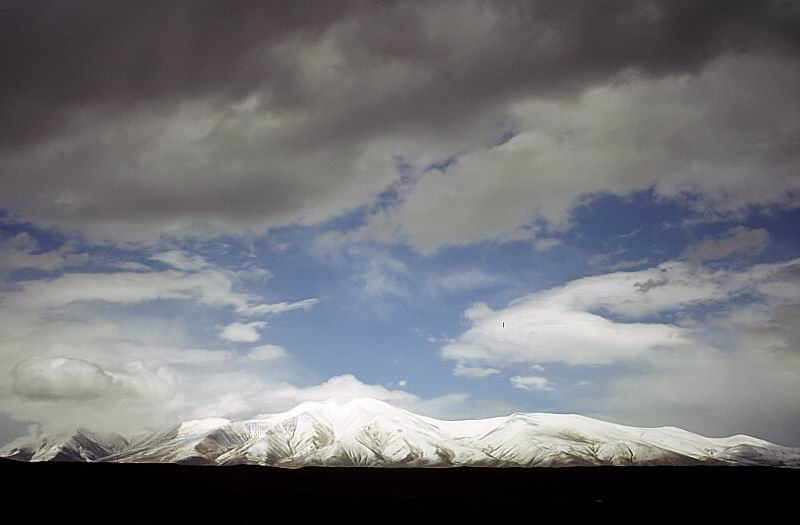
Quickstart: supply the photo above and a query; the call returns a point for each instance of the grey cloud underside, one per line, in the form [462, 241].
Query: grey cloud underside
[215, 117]
[123, 54]
[735, 241]
[59, 378]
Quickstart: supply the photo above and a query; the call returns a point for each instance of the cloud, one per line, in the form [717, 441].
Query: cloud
[374, 273]
[734, 351]
[553, 327]
[242, 332]
[531, 383]
[243, 393]
[252, 272]
[603, 261]
[268, 353]
[649, 284]
[212, 287]
[593, 320]
[541, 334]
[627, 265]
[546, 244]
[19, 252]
[131, 266]
[715, 393]
[241, 118]
[56, 378]
[700, 139]
[464, 280]
[278, 308]
[147, 383]
[41, 378]
[78, 351]
[63, 392]
[462, 370]
[775, 328]
[347, 387]
[181, 260]
[738, 240]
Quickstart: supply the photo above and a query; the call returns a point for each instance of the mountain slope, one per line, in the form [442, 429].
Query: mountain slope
[367, 432]
[81, 445]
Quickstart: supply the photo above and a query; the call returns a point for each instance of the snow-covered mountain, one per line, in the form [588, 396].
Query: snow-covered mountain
[81, 445]
[367, 432]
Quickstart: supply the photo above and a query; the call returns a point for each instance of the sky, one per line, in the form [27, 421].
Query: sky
[466, 209]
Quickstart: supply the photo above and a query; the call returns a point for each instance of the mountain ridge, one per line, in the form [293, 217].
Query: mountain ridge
[369, 432]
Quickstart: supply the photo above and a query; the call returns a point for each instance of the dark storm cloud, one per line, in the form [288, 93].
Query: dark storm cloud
[57, 56]
[92, 90]
[60, 55]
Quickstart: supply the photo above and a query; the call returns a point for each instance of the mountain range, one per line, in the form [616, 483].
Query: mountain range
[367, 432]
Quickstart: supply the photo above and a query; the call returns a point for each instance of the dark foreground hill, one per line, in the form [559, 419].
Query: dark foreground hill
[169, 493]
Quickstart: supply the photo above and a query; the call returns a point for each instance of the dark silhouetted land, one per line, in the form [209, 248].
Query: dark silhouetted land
[156, 493]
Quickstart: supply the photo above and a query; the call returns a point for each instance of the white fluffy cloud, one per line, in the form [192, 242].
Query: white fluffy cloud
[71, 359]
[195, 281]
[242, 394]
[211, 288]
[243, 332]
[57, 378]
[462, 370]
[347, 387]
[593, 320]
[531, 383]
[70, 379]
[266, 353]
[75, 352]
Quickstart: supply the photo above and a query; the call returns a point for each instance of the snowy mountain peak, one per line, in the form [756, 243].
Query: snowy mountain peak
[81, 445]
[370, 432]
